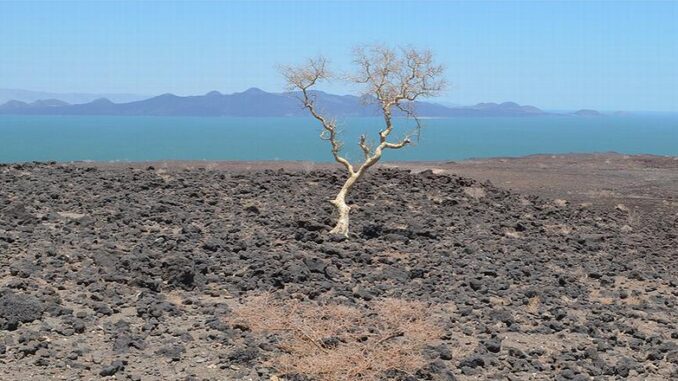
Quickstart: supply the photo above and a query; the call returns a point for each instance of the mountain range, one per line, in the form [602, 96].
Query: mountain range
[72, 98]
[252, 103]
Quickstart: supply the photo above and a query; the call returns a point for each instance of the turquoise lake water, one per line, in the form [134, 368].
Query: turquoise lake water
[111, 138]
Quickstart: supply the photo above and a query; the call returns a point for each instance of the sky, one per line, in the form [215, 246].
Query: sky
[554, 55]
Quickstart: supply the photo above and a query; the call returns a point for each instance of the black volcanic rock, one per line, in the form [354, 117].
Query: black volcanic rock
[157, 274]
[18, 308]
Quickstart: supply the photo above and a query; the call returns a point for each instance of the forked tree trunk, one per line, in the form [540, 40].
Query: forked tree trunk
[343, 209]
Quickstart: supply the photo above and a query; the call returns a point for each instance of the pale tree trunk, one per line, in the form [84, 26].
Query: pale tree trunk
[343, 209]
[340, 201]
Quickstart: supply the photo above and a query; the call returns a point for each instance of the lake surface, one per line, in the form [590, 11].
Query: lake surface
[112, 138]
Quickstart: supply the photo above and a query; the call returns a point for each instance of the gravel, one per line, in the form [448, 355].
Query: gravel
[129, 273]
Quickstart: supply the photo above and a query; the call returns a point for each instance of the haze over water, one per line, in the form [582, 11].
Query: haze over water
[102, 138]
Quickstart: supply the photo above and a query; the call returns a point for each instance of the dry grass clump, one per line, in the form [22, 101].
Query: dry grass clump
[334, 342]
[533, 305]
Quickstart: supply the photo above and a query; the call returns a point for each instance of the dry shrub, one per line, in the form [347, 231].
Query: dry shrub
[334, 342]
[533, 305]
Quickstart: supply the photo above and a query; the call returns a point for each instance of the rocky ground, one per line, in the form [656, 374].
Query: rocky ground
[131, 273]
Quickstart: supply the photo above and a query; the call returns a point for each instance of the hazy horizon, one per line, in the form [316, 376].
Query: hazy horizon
[123, 98]
[569, 56]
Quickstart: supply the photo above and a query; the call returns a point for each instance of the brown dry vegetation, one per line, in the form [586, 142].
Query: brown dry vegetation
[333, 342]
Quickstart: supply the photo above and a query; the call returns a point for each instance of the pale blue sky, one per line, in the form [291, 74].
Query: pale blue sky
[570, 55]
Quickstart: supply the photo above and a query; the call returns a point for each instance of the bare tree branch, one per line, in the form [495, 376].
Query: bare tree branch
[408, 110]
[398, 145]
[396, 81]
[364, 146]
[303, 78]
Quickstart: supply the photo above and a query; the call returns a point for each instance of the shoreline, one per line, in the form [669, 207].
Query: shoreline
[302, 164]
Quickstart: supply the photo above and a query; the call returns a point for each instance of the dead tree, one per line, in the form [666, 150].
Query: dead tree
[394, 80]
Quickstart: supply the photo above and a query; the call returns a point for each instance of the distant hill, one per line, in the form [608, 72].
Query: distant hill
[29, 96]
[253, 103]
[504, 109]
[15, 105]
[586, 112]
